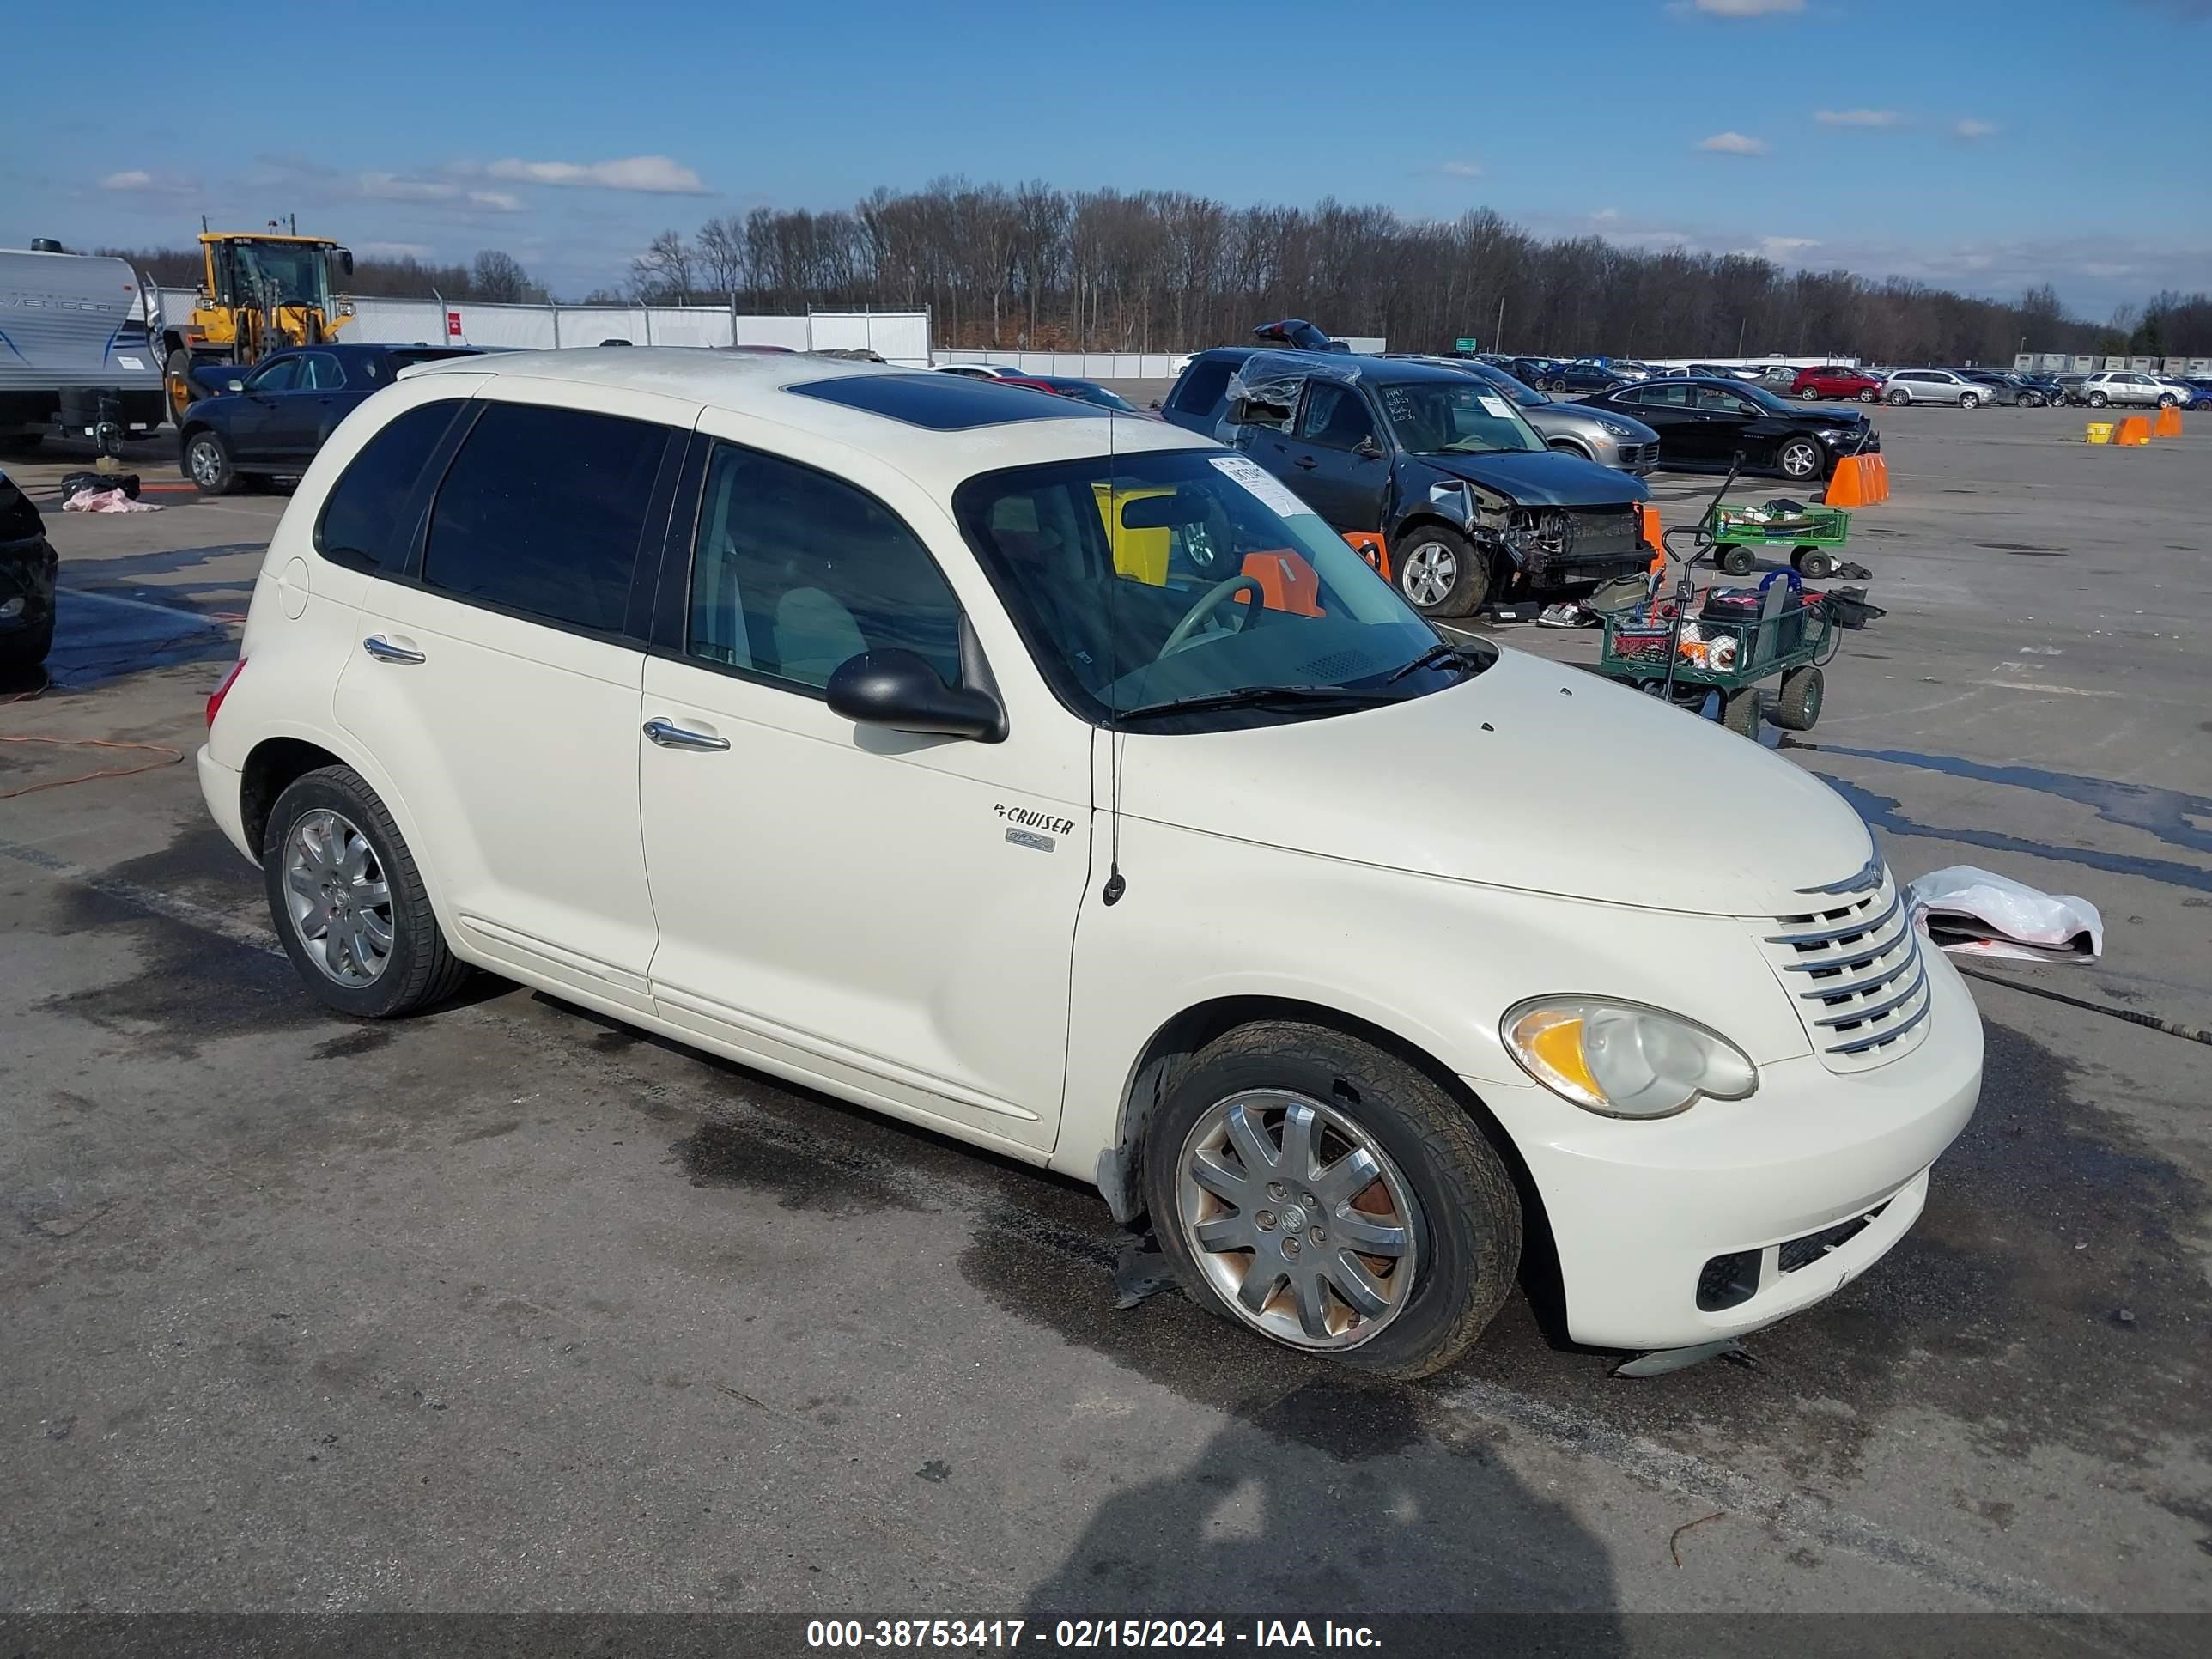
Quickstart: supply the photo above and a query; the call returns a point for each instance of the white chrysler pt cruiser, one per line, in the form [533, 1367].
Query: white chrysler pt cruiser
[1058, 781]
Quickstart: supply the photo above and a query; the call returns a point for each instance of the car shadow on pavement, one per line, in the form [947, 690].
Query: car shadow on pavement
[1271, 1521]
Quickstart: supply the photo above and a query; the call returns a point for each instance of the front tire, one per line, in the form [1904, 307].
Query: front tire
[1797, 705]
[22, 653]
[1968, 401]
[1440, 573]
[1869, 396]
[1801, 460]
[1741, 713]
[208, 464]
[1331, 1198]
[349, 900]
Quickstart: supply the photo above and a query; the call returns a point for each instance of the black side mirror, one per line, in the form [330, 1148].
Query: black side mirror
[1368, 450]
[899, 690]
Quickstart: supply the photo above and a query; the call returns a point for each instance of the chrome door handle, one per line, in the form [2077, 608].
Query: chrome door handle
[669, 735]
[384, 651]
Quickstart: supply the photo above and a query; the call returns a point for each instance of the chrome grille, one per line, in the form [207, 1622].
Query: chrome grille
[1851, 963]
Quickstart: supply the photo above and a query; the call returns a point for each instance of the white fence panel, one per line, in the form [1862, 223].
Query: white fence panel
[686, 325]
[509, 328]
[790, 332]
[896, 336]
[396, 322]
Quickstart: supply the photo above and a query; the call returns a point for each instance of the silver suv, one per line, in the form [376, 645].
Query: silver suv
[2126, 386]
[1933, 385]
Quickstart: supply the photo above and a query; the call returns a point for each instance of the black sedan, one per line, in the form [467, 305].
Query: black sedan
[1703, 425]
[275, 415]
[27, 569]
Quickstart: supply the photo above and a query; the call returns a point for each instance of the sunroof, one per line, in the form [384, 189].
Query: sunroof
[943, 403]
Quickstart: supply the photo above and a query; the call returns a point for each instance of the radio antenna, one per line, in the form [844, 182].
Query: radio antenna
[1116, 884]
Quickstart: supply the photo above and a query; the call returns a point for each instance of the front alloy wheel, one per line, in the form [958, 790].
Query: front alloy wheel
[1799, 459]
[1299, 1218]
[339, 903]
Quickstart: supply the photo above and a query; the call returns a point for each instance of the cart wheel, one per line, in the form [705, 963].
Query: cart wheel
[1798, 704]
[1813, 563]
[1735, 560]
[1739, 714]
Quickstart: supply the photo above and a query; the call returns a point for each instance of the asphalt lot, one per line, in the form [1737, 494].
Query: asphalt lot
[506, 1308]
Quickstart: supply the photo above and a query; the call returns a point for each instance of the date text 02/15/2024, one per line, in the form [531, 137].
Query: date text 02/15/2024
[1084, 1634]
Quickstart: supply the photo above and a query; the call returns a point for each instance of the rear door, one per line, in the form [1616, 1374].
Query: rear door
[496, 678]
[1664, 406]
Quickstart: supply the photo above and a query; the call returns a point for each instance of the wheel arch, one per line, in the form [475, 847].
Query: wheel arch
[1155, 1069]
[272, 766]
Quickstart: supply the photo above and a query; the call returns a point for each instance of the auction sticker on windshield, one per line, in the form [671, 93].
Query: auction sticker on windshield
[1264, 485]
[1496, 406]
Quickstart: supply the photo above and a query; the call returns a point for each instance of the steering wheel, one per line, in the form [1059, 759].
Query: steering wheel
[1208, 603]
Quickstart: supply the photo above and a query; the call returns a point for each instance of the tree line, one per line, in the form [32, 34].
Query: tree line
[1040, 268]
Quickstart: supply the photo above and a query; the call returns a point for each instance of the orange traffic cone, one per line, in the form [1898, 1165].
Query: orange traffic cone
[1370, 547]
[1849, 487]
[2135, 430]
[1654, 535]
[2169, 422]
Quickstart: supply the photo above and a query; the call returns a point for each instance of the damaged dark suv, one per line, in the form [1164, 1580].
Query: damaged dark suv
[1435, 477]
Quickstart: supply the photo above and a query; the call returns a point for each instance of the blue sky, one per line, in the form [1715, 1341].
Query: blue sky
[1981, 145]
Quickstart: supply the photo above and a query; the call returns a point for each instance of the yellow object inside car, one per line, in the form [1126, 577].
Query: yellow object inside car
[1140, 554]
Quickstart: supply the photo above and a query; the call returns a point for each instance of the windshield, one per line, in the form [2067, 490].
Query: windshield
[1525, 397]
[298, 274]
[1090, 393]
[1765, 400]
[1446, 417]
[1213, 578]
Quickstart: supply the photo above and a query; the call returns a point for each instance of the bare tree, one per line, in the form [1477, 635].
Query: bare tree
[662, 274]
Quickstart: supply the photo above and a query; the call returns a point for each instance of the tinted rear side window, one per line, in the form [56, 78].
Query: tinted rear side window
[543, 511]
[360, 524]
[1202, 386]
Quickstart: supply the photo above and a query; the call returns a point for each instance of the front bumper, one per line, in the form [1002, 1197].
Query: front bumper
[1639, 1210]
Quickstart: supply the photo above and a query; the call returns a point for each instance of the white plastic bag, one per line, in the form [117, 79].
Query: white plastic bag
[106, 501]
[1973, 913]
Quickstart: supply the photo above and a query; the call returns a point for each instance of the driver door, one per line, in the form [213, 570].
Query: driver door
[257, 424]
[882, 912]
[1340, 466]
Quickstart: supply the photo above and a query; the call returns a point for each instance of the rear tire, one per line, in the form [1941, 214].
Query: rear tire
[1797, 706]
[2097, 400]
[1815, 564]
[1899, 400]
[1735, 560]
[206, 464]
[25, 652]
[1440, 573]
[415, 968]
[1811, 394]
[1446, 1192]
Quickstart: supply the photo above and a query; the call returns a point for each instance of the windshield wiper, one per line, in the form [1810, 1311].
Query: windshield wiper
[1468, 658]
[1254, 696]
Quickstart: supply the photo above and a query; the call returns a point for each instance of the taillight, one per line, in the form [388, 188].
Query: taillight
[215, 702]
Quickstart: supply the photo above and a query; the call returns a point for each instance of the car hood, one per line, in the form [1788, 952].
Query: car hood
[1530, 775]
[1542, 477]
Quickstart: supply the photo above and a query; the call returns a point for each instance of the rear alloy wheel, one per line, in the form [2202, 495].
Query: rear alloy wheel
[207, 462]
[2097, 400]
[1441, 572]
[1811, 394]
[1332, 1199]
[1799, 459]
[1968, 401]
[1899, 399]
[348, 902]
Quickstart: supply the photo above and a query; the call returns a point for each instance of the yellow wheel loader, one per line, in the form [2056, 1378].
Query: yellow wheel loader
[259, 290]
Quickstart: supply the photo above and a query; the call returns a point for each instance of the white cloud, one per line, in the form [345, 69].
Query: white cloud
[498, 201]
[1858, 118]
[1746, 7]
[1605, 215]
[151, 184]
[654, 175]
[1971, 130]
[1461, 169]
[1733, 143]
[395, 249]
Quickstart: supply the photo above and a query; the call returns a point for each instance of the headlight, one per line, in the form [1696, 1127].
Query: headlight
[1622, 1059]
[1614, 428]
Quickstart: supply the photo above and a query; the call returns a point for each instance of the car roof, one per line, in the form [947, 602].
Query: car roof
[937, 429]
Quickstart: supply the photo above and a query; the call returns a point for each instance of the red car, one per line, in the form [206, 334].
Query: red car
[1833, 381]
